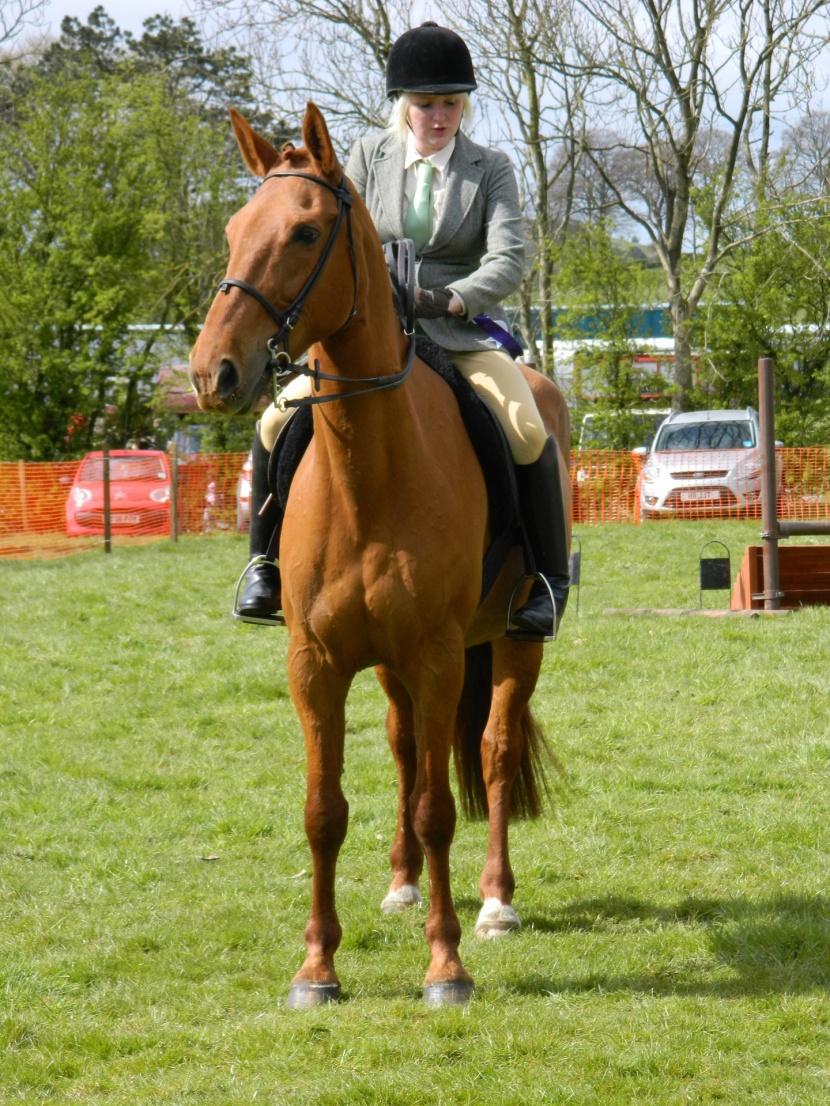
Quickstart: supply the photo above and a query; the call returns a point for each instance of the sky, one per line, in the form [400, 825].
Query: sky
[127, 14]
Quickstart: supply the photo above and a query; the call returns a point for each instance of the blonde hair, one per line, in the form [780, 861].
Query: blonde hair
[398, 124]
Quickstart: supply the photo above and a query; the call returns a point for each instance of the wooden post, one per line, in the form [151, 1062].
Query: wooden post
[105, 456]
[174, 491]
[769, 485]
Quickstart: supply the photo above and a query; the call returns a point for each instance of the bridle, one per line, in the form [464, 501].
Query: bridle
[280, 362]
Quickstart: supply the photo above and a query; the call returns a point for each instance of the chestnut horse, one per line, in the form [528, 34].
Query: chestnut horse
[381, 550]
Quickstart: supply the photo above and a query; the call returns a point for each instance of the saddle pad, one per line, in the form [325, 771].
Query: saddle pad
[485, 433]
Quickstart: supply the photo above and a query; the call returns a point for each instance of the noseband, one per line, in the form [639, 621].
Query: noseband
[280, 361]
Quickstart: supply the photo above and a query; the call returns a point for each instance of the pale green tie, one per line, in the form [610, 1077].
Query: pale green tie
[418, 224]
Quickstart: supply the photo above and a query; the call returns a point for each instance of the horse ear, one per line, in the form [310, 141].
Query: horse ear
[317, 140]
[258, 154]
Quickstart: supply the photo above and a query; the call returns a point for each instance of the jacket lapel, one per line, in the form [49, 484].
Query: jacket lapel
[388, 166]
[463, 182]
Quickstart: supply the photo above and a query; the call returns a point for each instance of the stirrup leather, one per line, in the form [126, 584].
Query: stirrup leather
[516, 634]
[272, 620]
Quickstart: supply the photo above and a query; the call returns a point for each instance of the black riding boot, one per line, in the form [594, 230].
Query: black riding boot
[543, 515]
[260, 599]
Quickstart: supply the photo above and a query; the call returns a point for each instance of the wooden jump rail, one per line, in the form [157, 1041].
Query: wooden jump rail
[771, 578]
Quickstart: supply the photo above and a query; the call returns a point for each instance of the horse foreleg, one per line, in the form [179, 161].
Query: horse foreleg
[515, 672]
[435, 693]
[406, 855]
[319, 696]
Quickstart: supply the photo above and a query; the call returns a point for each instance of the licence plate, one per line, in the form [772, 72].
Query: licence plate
[700, 495]
[125, 520]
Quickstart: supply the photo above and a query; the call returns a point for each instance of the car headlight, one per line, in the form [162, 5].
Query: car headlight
[81, 496]
[651, 473]
[749, 472]
[160, 495]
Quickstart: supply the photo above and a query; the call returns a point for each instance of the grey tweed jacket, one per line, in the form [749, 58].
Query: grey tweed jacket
[477, 246]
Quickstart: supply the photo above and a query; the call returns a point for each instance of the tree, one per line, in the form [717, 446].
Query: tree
[16, 16]
[542, 108]
[774, 300]
[331, 51]
[689, 94]
[606, 290]
[114, 193]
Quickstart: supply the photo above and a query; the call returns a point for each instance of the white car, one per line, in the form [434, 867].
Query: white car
[702, 462]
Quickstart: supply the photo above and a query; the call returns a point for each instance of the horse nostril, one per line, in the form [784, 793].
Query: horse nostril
[227, 379]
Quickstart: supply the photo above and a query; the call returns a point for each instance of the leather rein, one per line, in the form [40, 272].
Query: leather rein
[280, 362]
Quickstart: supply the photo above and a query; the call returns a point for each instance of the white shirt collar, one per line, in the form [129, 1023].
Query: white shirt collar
[439, 159]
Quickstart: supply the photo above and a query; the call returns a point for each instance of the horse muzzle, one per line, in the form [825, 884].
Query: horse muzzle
[221, 387]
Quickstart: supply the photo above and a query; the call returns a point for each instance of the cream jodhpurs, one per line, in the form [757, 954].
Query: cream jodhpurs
[496, 379]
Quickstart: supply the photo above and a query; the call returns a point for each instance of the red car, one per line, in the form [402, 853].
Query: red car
[243, 496]
[139, 494]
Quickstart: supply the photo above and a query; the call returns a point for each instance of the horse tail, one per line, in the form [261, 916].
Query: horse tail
[470, 721]
[530, 789]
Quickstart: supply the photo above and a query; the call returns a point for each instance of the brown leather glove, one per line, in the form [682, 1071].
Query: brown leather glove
[432, 303]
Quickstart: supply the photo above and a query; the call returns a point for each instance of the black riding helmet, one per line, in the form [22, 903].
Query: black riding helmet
[429, 59]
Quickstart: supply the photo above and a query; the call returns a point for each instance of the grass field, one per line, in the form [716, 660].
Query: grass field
[154, 877]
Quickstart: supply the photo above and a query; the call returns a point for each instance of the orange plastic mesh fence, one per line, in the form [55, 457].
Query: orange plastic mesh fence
[37, 499]
[45, 513]
[608, 486]
[604, 485]
[32, 508]
[209, 499]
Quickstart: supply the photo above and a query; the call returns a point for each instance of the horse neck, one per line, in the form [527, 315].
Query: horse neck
[360, 436]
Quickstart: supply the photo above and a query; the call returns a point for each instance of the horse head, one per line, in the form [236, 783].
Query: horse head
[279, 255]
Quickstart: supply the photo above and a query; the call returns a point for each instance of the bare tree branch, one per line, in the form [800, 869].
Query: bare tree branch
[331, 51]
[675, 81]
[16, 17]
[536, 115]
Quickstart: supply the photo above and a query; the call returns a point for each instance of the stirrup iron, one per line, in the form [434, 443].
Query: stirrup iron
[530, 635]
[274, 620]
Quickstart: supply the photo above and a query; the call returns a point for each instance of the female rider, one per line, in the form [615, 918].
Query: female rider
[424, 179]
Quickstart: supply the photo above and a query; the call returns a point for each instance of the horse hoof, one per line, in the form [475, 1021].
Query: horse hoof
[453, 992]
[496, 920]
[307, 996]
[401, 899]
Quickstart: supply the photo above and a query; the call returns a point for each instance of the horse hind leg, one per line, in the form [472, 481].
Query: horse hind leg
[406, 855]
[512, 776]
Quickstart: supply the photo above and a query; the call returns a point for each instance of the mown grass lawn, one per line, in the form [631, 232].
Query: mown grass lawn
[154, 877]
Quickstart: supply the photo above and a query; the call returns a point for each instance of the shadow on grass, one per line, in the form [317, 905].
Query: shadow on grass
[779, 944]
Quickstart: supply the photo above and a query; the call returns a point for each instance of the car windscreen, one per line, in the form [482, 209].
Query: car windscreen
[123, 468]
[737, 434]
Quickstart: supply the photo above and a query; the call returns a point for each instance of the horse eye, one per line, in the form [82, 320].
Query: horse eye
[305, 236]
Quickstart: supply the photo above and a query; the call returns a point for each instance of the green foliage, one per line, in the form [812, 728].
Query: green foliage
[114, 193]
[154, 873]
[604, 285]
[772, 301]
[210, 433]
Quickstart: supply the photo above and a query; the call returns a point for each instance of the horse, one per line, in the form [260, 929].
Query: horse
[381, 550]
